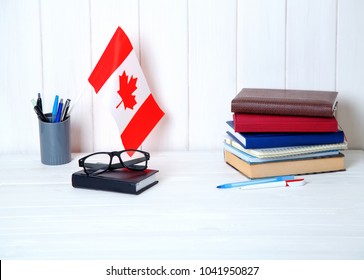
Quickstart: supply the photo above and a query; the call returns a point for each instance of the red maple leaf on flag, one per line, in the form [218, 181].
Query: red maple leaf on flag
[126, 89]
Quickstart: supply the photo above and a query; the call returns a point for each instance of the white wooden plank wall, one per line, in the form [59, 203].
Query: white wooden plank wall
[350, 70]
[196, 56]
[261, 44]
[212, 70]
[164, 52]
[65, 50]
[311, 44]
[20, 74]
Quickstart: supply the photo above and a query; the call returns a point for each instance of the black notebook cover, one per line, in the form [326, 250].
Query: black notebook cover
[121, 180]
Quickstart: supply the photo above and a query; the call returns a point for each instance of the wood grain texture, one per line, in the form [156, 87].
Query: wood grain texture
[66, 62]
[350, 61]
[311, 44]
[261, 44]
[20, 75]
[164, 49]
[183, 217]
[196, 56]
[212, 70]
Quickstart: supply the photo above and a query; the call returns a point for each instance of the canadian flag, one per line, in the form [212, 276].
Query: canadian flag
[119, 81]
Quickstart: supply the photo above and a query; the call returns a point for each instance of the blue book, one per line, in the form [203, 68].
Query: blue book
[274, 140]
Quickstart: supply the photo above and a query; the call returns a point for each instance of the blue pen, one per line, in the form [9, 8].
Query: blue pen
[59, 112]
[254, 182]
[55, 107]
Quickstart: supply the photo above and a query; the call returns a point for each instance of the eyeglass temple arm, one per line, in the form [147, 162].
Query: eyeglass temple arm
[114, 165]
[128, 163]
[95, 165]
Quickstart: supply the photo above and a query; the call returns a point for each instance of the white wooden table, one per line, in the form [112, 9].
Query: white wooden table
[183, 217]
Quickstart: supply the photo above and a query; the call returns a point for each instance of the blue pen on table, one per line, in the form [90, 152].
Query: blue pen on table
[55, 108]
[59, 111]
[255, 181]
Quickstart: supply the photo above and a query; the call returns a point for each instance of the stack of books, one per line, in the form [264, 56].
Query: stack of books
[278, 132]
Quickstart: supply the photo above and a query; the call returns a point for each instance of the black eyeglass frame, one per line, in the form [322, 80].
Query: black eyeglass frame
[129, 164]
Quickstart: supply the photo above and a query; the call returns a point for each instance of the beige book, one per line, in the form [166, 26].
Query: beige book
[286, 167]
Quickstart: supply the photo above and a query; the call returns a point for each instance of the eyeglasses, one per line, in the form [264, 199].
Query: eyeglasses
[100, 162]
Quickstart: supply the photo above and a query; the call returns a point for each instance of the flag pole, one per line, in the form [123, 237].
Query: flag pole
[78, 97]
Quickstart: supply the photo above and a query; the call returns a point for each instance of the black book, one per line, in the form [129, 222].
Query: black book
[120, 180]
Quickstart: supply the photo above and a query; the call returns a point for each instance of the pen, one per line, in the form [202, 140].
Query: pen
[39, 103]
[59, 112]
[65, 110]
[55, 107]
[39, 113]
[278, 184]
[254, 182]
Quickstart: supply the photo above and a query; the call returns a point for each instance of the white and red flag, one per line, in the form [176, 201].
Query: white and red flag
[119, 80]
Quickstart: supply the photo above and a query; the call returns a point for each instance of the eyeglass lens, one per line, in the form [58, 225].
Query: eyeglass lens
[97, 163]
[136, 162]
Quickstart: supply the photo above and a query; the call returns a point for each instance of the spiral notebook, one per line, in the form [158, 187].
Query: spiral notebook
[286, 151]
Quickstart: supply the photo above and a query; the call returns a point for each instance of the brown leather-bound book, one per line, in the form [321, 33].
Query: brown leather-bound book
[285, 102]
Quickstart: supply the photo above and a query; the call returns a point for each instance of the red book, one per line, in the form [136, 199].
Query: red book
[279, 123]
